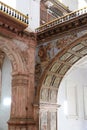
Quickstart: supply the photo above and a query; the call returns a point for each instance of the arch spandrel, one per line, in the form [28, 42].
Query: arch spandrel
[57, 68]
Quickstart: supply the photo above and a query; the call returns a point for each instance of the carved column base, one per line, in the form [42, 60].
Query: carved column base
[21, 124]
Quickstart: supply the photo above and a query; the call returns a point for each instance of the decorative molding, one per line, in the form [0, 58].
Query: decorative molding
[72, 21]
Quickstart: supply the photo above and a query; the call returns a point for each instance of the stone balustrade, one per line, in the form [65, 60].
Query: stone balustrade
[62, 19]
[13, 13]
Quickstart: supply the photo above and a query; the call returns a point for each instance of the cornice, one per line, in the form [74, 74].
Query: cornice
[72, 24]
[9, 32]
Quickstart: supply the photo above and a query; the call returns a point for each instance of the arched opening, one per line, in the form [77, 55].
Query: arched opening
[5, 96]
[72, 113]
[51, 79]
[18, 69]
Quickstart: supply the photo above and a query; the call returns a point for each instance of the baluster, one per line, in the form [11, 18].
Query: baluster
[77, 13]
[66, 17]
[57, 22]
[81, 11]
[7, 10]
[23, 19]
[60, 20]
[20, 17]
[85, 10]
[27, 21]
[12, 13]
[15, 15]
[54, 22]
[71, 15]
[2, 7]
[63, 19]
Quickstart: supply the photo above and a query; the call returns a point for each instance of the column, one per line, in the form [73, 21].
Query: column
[21, 109]
[48, 116]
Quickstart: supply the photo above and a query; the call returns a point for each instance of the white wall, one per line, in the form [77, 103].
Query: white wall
[75, 4]
[82, 3]
[5, 93]
[77, 77]
[32, 8]
[10, 3]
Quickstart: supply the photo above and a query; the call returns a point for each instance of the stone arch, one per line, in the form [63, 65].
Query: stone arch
[57, 68]
[19, 78]
[14, 55]
[52, 76]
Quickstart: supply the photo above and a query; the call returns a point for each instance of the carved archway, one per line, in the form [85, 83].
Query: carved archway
[14, 54]
[19, 80]
[55, 72]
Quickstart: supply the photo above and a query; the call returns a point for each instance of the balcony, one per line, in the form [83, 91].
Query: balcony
[72, 21]
[62, 19]
[11, 18]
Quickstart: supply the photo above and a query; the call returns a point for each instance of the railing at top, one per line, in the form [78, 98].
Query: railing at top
[62, 19]
[13, 13]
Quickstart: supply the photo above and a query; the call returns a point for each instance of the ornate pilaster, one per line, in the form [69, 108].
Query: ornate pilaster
[48, 116]
[21, 107]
